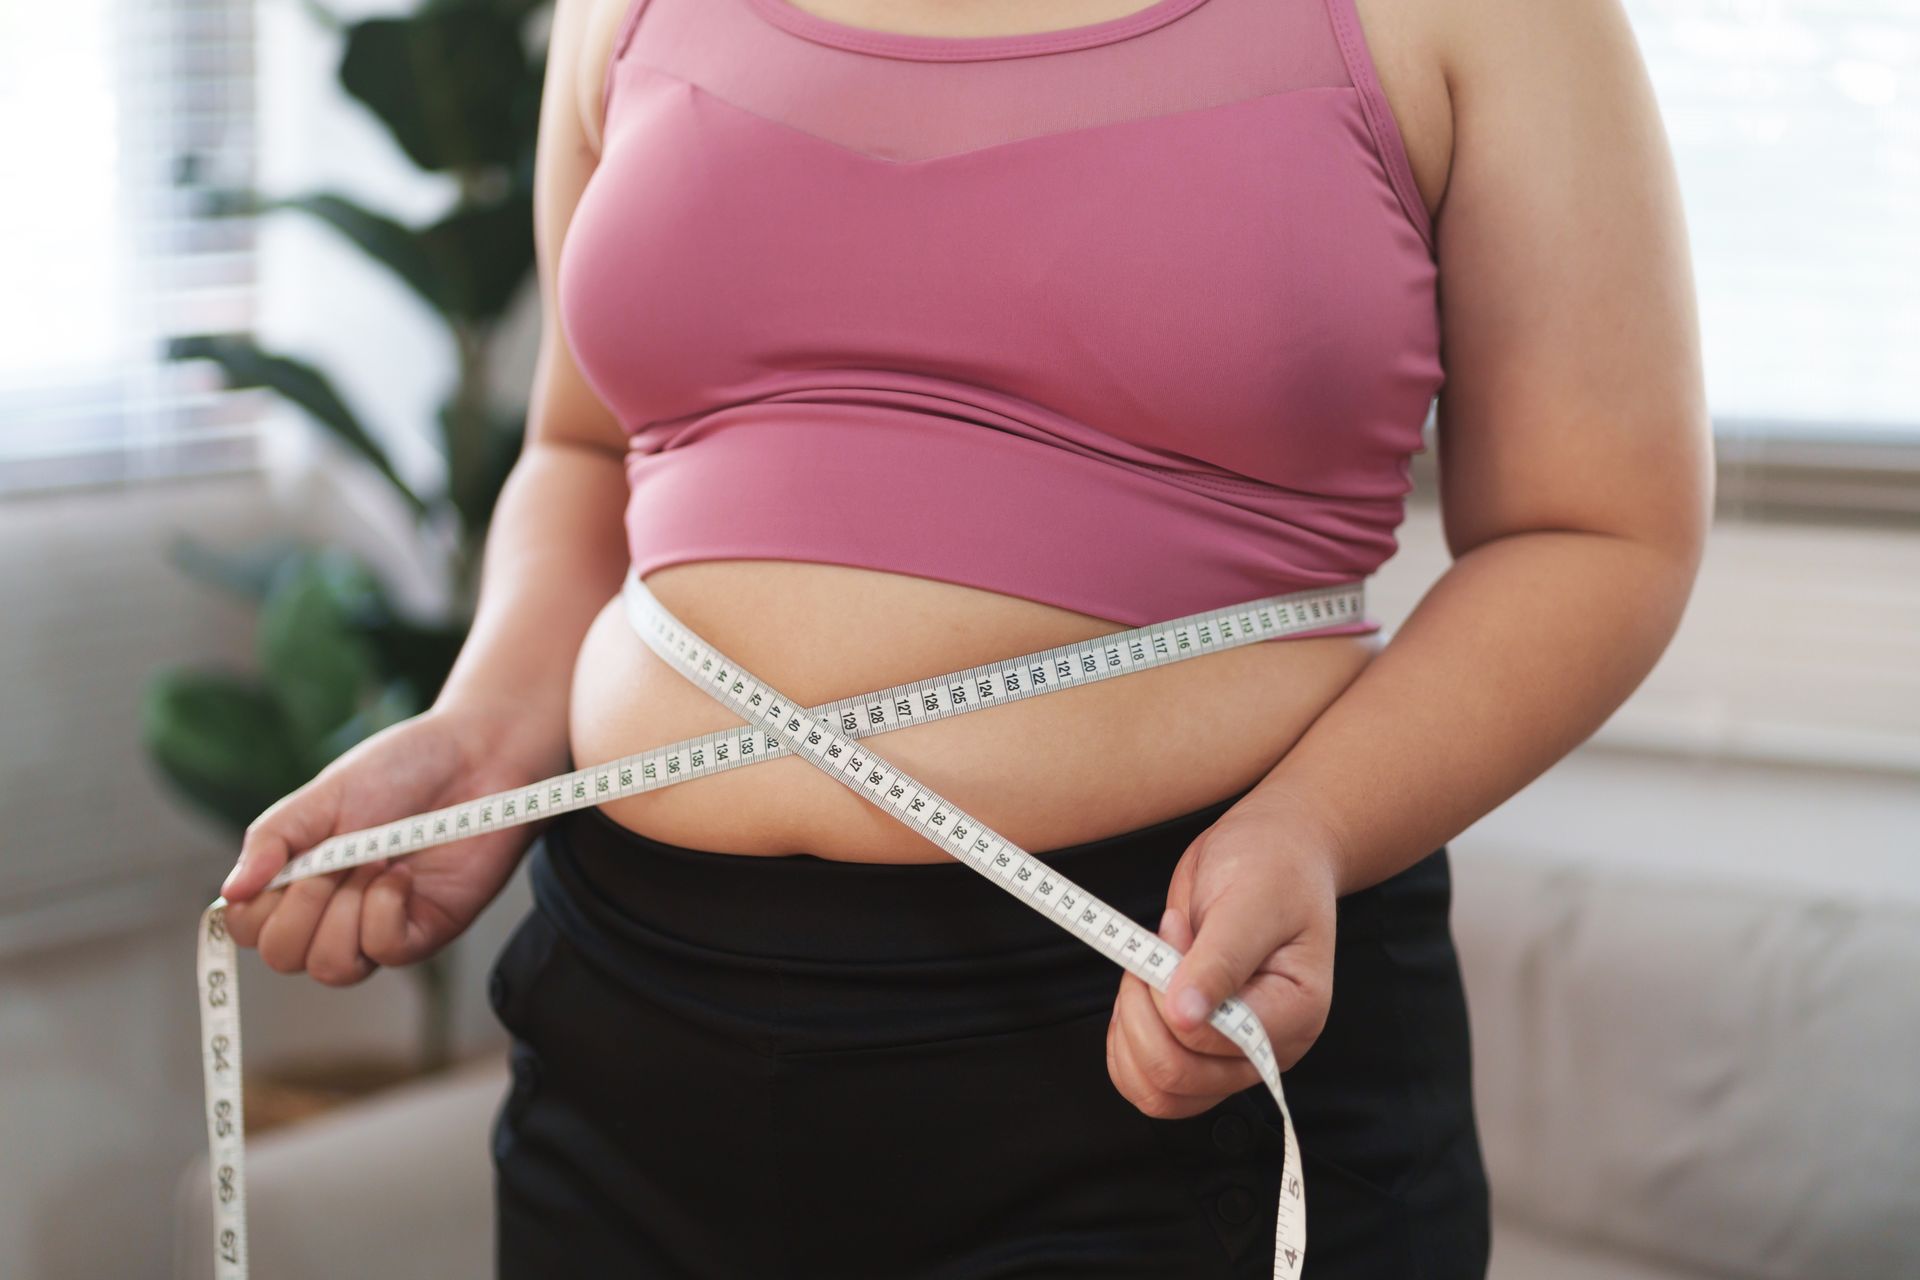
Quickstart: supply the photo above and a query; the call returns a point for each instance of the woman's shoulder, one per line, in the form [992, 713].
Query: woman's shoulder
[1432, 56]
[584, 33]
[1407, 40]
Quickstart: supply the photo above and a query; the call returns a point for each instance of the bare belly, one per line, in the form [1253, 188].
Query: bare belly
[1047, 772]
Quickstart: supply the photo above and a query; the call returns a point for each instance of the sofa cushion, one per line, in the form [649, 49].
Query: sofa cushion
[1715, 1076]
[1523, 1252]
[398, 1185]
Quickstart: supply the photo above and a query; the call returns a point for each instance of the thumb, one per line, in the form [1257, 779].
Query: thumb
[291, 825]
[1237, 933]
[385, 935]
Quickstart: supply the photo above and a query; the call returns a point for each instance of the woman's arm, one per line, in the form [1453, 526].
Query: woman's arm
[1576, 486]
[555, 552]
[1574, 446]
[554, 557]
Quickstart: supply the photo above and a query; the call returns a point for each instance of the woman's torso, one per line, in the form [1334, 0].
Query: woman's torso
[1046, 772]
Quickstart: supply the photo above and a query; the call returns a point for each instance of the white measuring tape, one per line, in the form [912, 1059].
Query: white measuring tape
[824, 737]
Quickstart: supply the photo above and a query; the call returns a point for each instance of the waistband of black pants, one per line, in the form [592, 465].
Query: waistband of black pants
[589, 871]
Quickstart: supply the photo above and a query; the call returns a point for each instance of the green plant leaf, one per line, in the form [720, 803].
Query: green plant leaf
[514, 9]
[247, 365]
[246, 574]
[418, 655]
[322, 15]
[483, 252]
[222, 741]
[444, 82]
[316, 663]
[395, 246]
[394, 703]
[481, 448]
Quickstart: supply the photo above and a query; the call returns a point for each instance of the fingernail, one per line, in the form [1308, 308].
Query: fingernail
[1191, 1005]
[1166, 921]
[226, 886]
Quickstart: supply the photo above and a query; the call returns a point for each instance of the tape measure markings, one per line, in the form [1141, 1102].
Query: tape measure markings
[835, 726]
[945, 824]
[878, 711]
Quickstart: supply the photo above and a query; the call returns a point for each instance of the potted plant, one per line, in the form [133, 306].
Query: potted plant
[457, 85]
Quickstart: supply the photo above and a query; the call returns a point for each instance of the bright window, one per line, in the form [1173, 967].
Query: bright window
[107, 109]
[1795, 127]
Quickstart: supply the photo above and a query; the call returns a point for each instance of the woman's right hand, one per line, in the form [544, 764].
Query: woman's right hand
[341, 926]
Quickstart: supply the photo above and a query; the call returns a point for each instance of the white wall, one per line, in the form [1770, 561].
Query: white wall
[1778, 737]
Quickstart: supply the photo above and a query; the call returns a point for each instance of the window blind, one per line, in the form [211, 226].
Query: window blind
[117, 117]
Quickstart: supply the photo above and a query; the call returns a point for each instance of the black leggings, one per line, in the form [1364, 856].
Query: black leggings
[791, 1067]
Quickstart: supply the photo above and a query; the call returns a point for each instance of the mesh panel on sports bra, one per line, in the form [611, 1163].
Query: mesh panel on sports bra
[908, 99]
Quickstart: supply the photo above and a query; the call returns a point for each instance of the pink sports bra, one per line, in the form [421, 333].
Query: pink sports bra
[1137, 318]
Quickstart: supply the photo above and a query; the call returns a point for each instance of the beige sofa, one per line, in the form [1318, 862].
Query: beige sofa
[1677, 1081]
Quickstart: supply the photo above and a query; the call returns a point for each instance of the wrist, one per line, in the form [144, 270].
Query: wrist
[1314, 832]
[501, 735]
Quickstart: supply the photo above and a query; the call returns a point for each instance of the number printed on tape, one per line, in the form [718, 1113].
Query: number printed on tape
[825, 736]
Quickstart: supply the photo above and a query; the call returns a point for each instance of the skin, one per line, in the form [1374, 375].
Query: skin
[1576, 492]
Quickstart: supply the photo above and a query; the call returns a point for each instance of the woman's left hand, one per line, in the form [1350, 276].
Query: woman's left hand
[1259, 888]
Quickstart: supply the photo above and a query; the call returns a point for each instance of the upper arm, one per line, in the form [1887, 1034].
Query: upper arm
[563, 406]
[1573, 395]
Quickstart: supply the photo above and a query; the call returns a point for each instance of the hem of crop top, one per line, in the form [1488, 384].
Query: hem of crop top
[644, 565]
[1045, 525]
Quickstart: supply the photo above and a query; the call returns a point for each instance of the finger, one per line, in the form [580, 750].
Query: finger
[1154, 1088]
[1290, 999]
[334, 958]
[1177, 929]
[1144, 1016]
[244, 919]
[1169, 1066]
[291, 825]
[1131, 1083]
[288, 932]
[1293, 1004]
[383, 919]
[1231, 940]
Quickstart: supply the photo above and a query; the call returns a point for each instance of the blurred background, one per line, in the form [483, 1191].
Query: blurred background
[266, 332]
